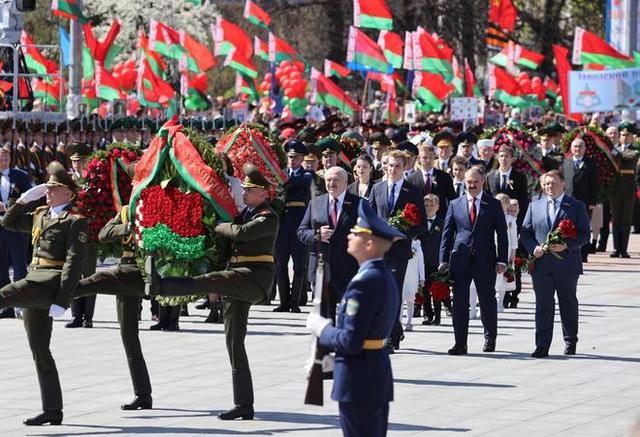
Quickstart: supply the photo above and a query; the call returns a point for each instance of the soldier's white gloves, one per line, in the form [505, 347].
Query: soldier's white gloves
[56, 311]
[32, 194]
[316, 323]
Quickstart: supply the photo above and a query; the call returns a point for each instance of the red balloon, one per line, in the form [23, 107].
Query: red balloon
[525, 86]
[523, 75]
[267, 77]
[536, 81]
[286, 83]
[295, 74]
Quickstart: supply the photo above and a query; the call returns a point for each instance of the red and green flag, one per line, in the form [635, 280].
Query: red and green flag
[165, 40]
[505, 88]
[458, 78]
[155, 61]
[194, 91]
[334, 69]
[238, 62]
[552, 89]
[36, 62]
[107, 87]
[364, 54]
[49, 93]
[256, 15]
[152, 90]
[563, 68]
[430, 90]
[325, 92]
[590, 49]
[471, 87]
[392, 46]
[432, 54]
[503, 14]
[280, 50]
[248, 86]
[261, 48]
[521, 57]
[228, 36]
[199, 57]
[372, 14]
[69, 9]
[106, 50]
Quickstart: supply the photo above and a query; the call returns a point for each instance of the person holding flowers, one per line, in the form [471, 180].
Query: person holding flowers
[554, 229]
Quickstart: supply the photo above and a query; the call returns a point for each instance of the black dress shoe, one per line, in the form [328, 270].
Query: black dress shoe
[540, 353]
[458, 350]
[436, 321]
[184, 312]
[601, 248]
[281, 309]
[428, 321]
[88, 324]
[592, 248]
[244, 412]
[203, 305]
[173, 327]
[295, 309]
[143, 402]
[570, 349]
[625, 255]
[489, 346]
[75, 323]
[157, 327]
[614, 255]
[53, 417]
[389, 347]
[8, 313]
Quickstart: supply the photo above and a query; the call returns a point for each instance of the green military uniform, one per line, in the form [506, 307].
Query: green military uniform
[246, 281]
[623, 198]
[126, 282]
[59, 248]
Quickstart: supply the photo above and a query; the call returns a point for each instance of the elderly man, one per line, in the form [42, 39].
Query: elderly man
[558, 266]
[59, 247]
[443, 142]
[473, 224]
[485, 155]
[324, 229]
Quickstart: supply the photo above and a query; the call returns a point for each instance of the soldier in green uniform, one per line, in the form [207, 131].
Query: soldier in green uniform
[59, 246]
[624, 190]
[125, 281]
[246, 281]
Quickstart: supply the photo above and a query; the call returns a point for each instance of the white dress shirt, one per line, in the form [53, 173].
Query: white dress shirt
[553, 206]
[469, 199]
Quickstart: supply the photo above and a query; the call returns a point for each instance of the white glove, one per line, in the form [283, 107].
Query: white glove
[316, 323]
[56, 311]
[32, 194]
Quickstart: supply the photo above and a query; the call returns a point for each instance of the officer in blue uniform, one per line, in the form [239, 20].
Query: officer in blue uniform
[297, 195]
[363, 383]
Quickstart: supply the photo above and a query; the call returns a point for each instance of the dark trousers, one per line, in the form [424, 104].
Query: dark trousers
[398, 269]
[606, 221]
[82, 308]
[545, 287]
[13, 253]
[364, 419]
[485, 279]
[289, 247]
[236, 316]
[432, 308]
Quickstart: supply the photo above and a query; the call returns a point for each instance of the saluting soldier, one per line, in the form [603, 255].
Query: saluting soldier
[59, 239]
[246, 281]
[363, 381]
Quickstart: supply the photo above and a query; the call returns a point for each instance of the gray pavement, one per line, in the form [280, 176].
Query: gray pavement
[595, 393]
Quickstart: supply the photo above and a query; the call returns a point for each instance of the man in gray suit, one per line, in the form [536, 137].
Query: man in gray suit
[558, 266]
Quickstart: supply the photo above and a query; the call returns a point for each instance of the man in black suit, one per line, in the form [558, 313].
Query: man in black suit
[325, 226]
[430, 180]
[505, 179]
[581, 176]
[387, 198]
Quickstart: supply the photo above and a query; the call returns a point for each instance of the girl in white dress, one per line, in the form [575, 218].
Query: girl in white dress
[502, 286]
[413, 281]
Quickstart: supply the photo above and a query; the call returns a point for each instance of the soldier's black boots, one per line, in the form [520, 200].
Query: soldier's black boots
[75, 323]
[152, 281]
[143, 402]
[53, 417]
[244, 412]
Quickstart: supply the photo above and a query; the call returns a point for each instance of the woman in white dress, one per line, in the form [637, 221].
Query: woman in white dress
[413, 281]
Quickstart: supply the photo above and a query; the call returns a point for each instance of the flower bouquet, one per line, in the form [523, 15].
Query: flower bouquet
[565, 231]
[106, 187]
[179, 194]
[407, 218]
[440, 285]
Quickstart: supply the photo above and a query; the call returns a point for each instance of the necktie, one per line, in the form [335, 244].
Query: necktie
[427, 183]
[333, 214]
[473, 212]
[459, 188]
[392, 198]
[551, 213]
[576, 164]
[429, 223]
[504, 183]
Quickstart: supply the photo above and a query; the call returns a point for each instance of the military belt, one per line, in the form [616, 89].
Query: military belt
[627, 171]
[299, 204]
[45, 262]
[251, 259]
[374, 344]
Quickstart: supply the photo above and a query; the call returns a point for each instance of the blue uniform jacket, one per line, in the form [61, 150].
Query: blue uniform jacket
[367, 311]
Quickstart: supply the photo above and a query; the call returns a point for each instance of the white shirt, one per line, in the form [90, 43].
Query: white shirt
[5, 186]
[55, 211]
[553, 206]
[340, 201]
[396, 192]
[469, 199]
[430, 221]
[456, 186]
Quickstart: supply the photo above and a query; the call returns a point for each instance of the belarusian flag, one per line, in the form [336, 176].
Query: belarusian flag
[256, 15]
[522, 57]
[152, 90]
[227, 36]
[325, 92]
[551, 87]
[392, 45]
[48, 92]
[589, 49]
[563, 68]
[280, 50]
[199, 57]
[431, 90]
[334, 69]
[36, 62]
[165, 40]
[89, 96]
[157, 65]
[261, 48]
[103, 51]
[68, 9]
[363, 54]
[372, 14]
[246, 85]
[432, 54]
[503, 14]
[472, 89]
[238, 62]
[505, 87]
[194, 91]
[458, 78]
[107, 87]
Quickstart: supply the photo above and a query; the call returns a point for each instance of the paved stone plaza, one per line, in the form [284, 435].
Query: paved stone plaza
[595, 393]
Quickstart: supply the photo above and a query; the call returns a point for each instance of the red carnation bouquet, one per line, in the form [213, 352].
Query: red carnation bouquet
[440, 285]
[565, 231]
[407, 218]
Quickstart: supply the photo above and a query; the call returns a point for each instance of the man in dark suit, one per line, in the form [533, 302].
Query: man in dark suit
[581, 177]
[387, 198]
[557, 267]
[468, 249]
[430, 180]
[13, 245]
[325, 227]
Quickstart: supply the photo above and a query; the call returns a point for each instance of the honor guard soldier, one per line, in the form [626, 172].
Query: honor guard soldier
[59, 240]
[297, 195]
[443, 142]
[246, 281]
[363, 381]
[329, 147]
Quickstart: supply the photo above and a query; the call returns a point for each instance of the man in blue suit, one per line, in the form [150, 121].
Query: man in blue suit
[557, 267]
[363, 382]
[468, 249]
[13, 245]
[325, 227]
